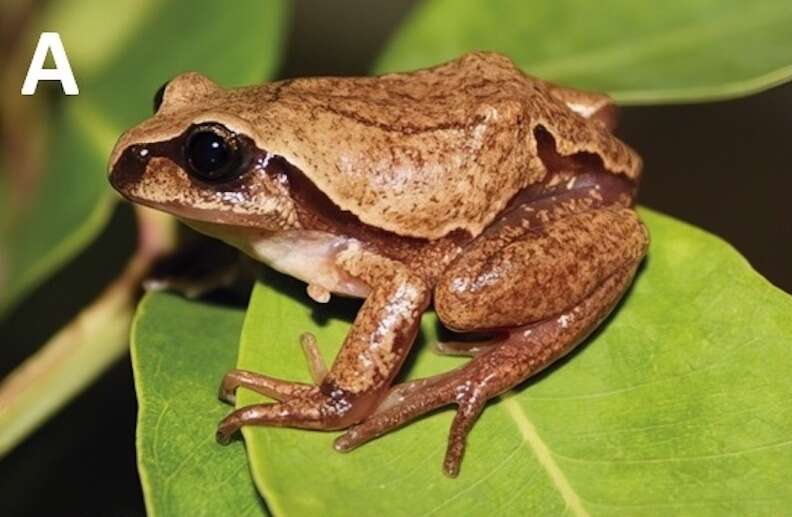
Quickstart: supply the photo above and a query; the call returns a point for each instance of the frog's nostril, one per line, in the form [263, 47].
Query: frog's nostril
[141, 152]
[129, 168]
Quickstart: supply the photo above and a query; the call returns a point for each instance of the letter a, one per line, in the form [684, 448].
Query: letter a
[50, 41]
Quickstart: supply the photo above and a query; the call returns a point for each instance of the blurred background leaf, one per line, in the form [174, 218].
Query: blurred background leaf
[118, 73]
[639, 52]
[180, 351]
[61, 208]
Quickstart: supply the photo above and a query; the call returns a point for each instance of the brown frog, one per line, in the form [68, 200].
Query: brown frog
[500, 198]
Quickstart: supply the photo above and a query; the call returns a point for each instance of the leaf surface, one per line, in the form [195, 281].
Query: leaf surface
[180, 350]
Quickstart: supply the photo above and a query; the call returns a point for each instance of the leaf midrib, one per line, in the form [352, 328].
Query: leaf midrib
[544, 456]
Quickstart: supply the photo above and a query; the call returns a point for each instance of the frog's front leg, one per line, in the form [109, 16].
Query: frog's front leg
[370, 357]
[544, 289]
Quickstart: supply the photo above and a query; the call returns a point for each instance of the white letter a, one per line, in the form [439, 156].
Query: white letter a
[50, 41]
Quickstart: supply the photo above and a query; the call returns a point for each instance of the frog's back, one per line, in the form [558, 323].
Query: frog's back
[427, 152]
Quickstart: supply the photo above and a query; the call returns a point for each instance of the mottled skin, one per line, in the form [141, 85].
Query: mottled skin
[503, 199]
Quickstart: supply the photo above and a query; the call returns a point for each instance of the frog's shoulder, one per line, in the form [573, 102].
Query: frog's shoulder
[427, 152]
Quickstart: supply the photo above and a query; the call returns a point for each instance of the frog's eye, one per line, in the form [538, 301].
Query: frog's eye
[213, 153]
[159, 96]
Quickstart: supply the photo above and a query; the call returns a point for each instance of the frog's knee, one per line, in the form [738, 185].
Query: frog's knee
[456, 306]
[482, 299]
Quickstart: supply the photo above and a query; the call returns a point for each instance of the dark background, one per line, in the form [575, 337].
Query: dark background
[721, 166]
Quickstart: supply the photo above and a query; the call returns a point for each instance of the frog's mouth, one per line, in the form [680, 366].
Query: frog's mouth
[220, 219]
[191, 215]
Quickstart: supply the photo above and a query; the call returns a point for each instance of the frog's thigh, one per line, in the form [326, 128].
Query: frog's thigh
[540, 274]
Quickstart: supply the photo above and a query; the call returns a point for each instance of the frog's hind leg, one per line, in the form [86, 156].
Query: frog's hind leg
[522, 353]
[465, 348]
[546, 285]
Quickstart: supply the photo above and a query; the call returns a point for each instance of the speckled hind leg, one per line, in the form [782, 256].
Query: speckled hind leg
[545, 276]
[522, 353]
[465, 348]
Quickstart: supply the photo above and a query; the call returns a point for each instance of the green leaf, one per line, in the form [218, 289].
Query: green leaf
[180, 350]
[679, 406]
[639, 52]
[118, 73]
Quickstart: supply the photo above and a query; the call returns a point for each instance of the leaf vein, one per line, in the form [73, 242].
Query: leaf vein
[545, 457]
[477, 482]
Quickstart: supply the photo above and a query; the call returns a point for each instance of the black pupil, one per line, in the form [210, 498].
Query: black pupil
[209, 155]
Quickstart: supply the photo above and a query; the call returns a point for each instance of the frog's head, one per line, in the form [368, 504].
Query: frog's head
[196, 158]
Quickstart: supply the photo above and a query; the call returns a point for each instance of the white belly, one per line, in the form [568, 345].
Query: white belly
[309, 256]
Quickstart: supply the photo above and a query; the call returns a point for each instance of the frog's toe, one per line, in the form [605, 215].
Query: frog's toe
[309, 410]
[273, 388]
[313, 357]
[228, 386]
[276, 388]
[466, 415]
[225, 432]
[257, 414]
